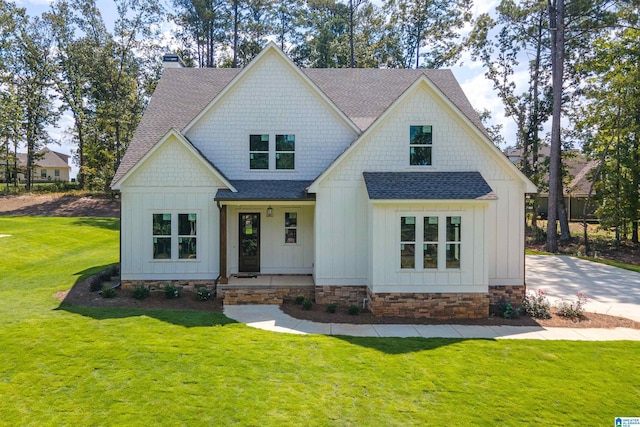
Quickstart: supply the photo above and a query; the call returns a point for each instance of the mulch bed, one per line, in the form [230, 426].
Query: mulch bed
[81, 295]
[318, 313]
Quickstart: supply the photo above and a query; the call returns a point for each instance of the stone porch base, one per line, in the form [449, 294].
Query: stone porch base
[234, 295]
[157, 285]
[431, 306]
[345, 295]
[508, 293]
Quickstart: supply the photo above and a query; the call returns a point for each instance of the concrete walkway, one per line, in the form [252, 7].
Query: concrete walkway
[271, 318]
[610, 290]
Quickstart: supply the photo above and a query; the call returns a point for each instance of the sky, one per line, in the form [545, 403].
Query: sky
[470, 75]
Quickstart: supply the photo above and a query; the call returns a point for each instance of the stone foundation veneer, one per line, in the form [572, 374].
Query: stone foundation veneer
[431, 306]
[511, 293]
[344, 295]
[157, 285]
[235, 295]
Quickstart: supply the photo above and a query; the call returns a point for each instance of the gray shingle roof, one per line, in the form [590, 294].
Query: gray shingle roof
[265, 190]
[427, 186]
[361, 94]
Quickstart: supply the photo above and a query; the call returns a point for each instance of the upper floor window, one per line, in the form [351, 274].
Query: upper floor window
[420, 145]
[265, 155]
[285, 151]
[259, 151]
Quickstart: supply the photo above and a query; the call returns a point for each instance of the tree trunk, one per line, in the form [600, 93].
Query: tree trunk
[352, 60]
[556, 20]
[235, 35]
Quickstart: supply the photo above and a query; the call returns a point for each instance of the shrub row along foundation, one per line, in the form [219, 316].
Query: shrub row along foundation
[411, 305]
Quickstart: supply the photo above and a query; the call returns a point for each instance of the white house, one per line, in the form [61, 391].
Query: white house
[364, 183]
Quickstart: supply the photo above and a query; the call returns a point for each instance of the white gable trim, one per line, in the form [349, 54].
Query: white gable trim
[272, 48]
[424, 80]
[186, 144]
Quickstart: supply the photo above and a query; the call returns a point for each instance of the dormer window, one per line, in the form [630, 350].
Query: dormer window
[420, 145]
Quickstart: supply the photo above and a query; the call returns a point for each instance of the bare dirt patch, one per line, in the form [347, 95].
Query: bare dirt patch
[318, 313]
[59, 205]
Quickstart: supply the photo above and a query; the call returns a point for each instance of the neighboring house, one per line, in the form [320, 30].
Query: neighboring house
[49, 166]
[576, 190]
[377, 184]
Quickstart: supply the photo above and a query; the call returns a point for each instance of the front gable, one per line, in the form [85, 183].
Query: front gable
[271, 97]
[458, 145]
[173, 162]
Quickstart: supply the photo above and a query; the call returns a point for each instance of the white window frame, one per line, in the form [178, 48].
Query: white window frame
[272, 152]
[175, 236]
[420, 242]
[421, 146]
[297, 227]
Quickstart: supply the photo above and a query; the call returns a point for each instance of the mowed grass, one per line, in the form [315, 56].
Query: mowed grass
[88, 366]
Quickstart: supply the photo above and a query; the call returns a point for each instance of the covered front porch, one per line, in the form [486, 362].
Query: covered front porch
[266, 235]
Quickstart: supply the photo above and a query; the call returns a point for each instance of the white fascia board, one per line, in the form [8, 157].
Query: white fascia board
[475, 202]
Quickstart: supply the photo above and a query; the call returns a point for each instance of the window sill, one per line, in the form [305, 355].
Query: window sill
[174, 260]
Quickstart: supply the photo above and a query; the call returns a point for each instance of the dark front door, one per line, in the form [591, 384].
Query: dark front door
[249, 256]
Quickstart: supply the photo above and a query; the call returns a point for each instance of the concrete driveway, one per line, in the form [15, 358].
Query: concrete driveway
[610, 290]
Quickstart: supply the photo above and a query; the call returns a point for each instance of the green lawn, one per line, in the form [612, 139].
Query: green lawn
[83, 366]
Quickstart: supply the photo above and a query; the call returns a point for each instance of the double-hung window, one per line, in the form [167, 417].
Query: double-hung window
[291, 227]
[408, 242]
[420, 145]
[420, 242]
[285, 151]
[453, 241]
[174, 234]
[259, 151]
[162, 236]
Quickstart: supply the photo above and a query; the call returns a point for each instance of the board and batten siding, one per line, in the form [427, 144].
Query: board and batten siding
[342, 195]
[276, 256]
[271, 98]
[386, 274]
[341, 234]
[172, 181]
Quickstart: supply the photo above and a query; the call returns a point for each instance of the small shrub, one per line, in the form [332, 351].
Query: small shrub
[108, 292]
[537, 305]
[506, 310]
[203, 294]
[572, 309]
[95, 284]
[171, 292]
[354, 309]
[140, 292]
[299, 299]
[331, 308]
[307, 304]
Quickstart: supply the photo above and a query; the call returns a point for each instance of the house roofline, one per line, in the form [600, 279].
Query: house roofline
[185, 142]
[423, 79]
[271, 47]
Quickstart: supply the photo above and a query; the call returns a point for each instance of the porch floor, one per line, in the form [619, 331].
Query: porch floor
[269, 281]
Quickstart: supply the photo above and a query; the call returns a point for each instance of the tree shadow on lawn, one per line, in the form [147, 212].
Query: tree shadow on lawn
[393, 345]
[112, 224]
[186, 318]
